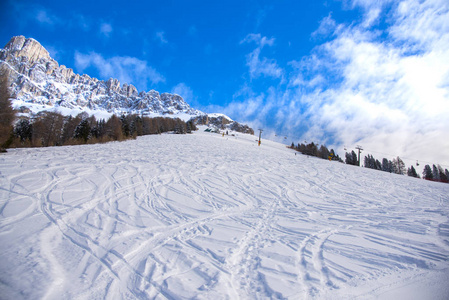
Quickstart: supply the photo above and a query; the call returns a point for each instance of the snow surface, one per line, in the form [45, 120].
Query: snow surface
[211, 217]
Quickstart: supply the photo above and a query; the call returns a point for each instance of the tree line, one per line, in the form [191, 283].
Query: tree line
[54, 129]
[320, 151]
[397, 166]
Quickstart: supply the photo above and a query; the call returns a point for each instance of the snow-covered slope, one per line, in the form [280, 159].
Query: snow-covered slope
[210, 217]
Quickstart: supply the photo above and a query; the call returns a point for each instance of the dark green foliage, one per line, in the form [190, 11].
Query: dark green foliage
[313, 150]
[372, 163]
[23, 130]
[427, 173]
[82, 131]
[398, 166]
[412, 172]
[351, 158]
[387, 165]
[444, 175]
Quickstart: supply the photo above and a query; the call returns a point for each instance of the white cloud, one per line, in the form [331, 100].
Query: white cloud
[184, 91]
[388, 98]
[389, 93]
[42, 16]
[327, 27]
[106, 29]
[160, 36]
[260, 40]
[126, 69]
[261, 66]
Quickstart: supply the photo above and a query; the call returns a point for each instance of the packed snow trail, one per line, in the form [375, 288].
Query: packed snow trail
[205, 216]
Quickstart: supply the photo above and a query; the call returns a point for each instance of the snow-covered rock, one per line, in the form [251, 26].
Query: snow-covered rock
[37, 79]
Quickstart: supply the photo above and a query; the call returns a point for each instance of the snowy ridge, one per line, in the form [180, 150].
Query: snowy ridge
[206, 216]
[39, 83]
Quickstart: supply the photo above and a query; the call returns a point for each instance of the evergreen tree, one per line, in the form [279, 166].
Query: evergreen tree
[435, 173]
[351, 158]
[125, 125]
[378, 165]
[398, 166]
[385, 165]
[412, 172]
[443, 177]
[366, 162]
[139, 125]
[427, 173]
[23, 130]
[323, 152]
[82, 131]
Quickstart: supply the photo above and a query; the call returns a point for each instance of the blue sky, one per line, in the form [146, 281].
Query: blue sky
[340, 73]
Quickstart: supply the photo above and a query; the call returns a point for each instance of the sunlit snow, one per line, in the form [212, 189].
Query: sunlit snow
[212, 217]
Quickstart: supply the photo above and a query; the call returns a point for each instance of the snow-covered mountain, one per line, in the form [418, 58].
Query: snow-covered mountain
[38, 82]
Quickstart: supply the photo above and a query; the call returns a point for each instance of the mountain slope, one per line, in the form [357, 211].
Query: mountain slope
[38, 83]
[205, 216]
[38, 80]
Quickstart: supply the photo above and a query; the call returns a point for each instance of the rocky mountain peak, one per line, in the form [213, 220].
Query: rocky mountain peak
[29, 49]
[37, 79]
[38, 82]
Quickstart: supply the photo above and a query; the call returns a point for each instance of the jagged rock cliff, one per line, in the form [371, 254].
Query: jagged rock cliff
[36, 78]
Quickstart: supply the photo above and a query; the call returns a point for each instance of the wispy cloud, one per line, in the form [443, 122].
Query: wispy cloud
[185, 92]
[160, 36]
[260, 40]
[80, 21]
[44, 17]
[126, 69]
[327, 27]
[389, 93]
[106, 29]
[261, 66]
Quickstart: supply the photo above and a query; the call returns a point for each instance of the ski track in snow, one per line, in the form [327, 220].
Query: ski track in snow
[204, 216]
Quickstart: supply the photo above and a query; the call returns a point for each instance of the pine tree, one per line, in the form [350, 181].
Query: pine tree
[398, 166]
[412, 172]
[427, 173]
[82, 131]
[443, 177]
[435, 173]
[386, 165]
[378, 165]
[23, 130]
[323, 152]
[351, 158]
